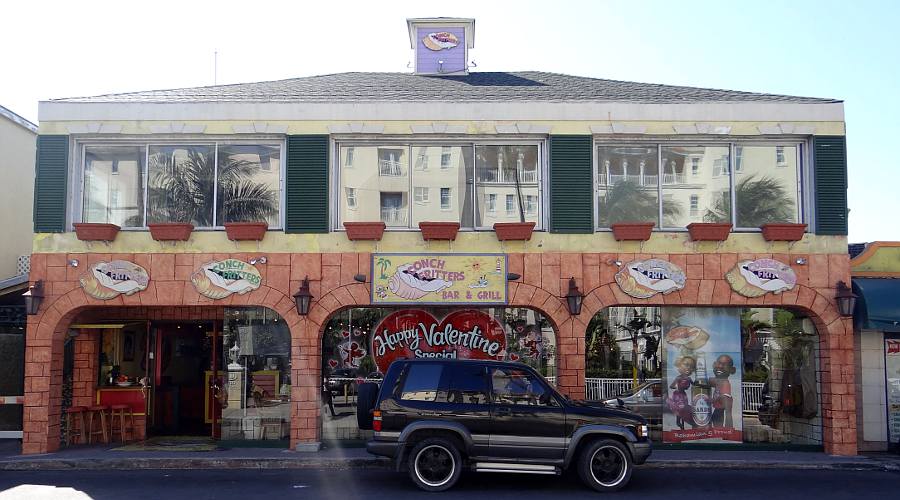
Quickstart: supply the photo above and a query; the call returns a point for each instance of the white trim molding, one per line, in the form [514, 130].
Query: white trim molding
[356, 128]
[259, 128]
[786, 129]
[438, 128]
[523, 128]
[177, 128]
[618, 128]
[94, 128]
[702, 128]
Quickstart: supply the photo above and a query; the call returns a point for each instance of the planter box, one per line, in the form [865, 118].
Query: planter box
[709, 231]
[632, 231]
[364, 230]
[439, 230]
[90, 231]
[171, 231]
[507, 231]
[783, 232]
[246, 231]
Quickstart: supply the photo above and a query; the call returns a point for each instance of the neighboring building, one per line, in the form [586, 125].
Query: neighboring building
[219, 330]
[875, 268]
[17, 148]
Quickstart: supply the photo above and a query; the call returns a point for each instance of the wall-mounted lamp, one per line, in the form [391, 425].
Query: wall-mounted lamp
[359, 277]
[512, 276]
[303, 297]
[33, 297]
[574, 298]
[74, 262]
[258, 260]
[845, 298]
[801, 261]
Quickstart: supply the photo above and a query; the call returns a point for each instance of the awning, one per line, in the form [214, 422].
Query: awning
[878, 304]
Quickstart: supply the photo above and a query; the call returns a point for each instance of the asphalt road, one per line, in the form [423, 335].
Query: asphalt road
[769, 484]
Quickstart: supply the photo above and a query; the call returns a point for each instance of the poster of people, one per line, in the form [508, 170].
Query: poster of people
[892, 369]
[702, 375]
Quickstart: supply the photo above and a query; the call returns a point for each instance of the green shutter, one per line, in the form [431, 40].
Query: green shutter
[571, 183]
[306, 186]
[830, 155]
[51, 175]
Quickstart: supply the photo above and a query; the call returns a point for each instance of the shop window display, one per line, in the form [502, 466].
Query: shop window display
[709, 374]
[359, 344]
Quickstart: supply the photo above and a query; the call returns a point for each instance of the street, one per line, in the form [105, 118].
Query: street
[374, 483]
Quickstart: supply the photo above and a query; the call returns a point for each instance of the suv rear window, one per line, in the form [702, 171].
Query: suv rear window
[468, 384]
[422, 382]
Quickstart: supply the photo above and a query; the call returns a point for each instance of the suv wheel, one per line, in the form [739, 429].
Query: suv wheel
[605, 465]
[435, 464]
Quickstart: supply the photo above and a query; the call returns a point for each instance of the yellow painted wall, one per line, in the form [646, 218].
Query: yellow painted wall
[17, 146]
[881, 258]
[411, 241]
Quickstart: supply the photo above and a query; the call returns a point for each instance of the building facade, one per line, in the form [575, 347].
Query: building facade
[212, 335]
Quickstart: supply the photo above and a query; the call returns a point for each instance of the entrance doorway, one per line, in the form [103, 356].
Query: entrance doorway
[182, 367]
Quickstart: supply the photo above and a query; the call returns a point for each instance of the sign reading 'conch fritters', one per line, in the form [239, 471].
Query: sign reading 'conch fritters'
[753, 278]
[219, 279]
[645, 278]
[438, 278]
[106, 280]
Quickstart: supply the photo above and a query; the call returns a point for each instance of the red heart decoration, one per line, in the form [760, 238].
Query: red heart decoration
[405, 327]
[513, 357]
[332, 363]
[345, 334]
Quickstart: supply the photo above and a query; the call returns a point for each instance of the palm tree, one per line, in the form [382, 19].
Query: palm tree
[181, 189]
[759, 201]
[627, 201]
[383, 264]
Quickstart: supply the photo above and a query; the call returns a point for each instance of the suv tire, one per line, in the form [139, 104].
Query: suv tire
[605, 465]
[435, 464]
[365, 403]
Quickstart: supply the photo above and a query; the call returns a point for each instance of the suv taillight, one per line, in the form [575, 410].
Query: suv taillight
[376, 420]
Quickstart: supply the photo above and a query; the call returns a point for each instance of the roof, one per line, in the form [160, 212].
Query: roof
[473, 87]
[18, 120]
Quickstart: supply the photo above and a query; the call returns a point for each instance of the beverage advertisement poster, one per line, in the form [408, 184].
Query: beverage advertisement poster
[892, 372]
[702, 375]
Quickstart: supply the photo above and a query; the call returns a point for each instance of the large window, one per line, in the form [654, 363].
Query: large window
[471, 181]
[207, 185]
[675, 185]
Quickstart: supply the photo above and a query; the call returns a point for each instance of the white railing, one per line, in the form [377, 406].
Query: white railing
[598, 389]
[389, 167]
[673, 179]
[393, 216]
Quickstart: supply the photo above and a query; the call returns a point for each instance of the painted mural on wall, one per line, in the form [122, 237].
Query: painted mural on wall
[439, 279]
[642, 279]
[219, 279]
[702, 375]
[107, 280]
[753, 278]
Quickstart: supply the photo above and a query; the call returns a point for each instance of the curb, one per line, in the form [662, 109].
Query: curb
[107, 464]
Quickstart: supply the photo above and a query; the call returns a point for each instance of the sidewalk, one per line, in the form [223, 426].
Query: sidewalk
[101, 458]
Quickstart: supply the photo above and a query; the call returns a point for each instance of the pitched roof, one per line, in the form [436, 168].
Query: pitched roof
[473, 87]
[18, 120]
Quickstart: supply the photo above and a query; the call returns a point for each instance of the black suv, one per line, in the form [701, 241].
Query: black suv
[440, 416]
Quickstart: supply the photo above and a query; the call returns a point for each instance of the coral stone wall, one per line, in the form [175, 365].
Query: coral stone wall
[544, 282]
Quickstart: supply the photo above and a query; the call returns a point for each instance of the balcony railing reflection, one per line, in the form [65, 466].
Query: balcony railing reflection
[393, 216]
[389, 168]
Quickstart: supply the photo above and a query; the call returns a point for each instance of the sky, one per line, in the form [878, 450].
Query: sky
[848, 50]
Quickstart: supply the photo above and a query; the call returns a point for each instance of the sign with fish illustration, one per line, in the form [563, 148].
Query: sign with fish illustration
[219, 279]
[754, 278]
[399, 278]
[643, 279]
[107, 280]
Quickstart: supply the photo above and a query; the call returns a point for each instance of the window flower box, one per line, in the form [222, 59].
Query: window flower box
[357, 231]
[246, 231]
[439, 230]
[507, 231]
[709, 231]
[171, 231]
[632, 231]
[92, 231]
[783, 232]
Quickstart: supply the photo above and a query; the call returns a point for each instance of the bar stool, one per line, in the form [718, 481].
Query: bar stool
[121, 411]
[75, 424]
[103, 432]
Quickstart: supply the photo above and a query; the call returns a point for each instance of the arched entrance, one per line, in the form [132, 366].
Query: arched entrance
[358, 345]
